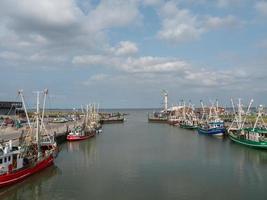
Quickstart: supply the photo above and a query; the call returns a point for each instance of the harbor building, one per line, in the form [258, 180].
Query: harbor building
[10, 107]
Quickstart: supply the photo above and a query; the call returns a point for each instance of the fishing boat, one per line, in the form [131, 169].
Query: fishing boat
[188, 124]
[87, 129]
[188, 119]
[256, 136]
[211, 124]
[216, 128]
[36, 151]
[174, 116]
[80, 133]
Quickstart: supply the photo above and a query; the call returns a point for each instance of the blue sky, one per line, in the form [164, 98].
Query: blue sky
[122, 53]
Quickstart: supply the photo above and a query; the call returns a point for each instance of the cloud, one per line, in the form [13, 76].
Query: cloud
[96, 78]
[125, 48]
[48, 29]
[216, 78]
[8, 55]
[113, 13]
[180, 25]
[152, 2]
[153, 64]
[218, 22]
[261, 7]
[90, 60]
[145, 64]
[226, 3]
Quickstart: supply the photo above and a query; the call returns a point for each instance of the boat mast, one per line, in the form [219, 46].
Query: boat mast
[203, 110]
[37, 122]
[24, 107]
[43, 110]
[260, 111]
[184, 109]
[250, 104]
[217, 109]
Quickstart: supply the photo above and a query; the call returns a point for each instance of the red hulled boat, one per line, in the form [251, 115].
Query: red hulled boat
[80, 133]
[33, 154]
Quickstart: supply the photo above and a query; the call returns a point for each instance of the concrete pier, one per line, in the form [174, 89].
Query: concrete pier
[59, 129]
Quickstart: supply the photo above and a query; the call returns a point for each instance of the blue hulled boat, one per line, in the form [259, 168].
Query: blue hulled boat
[212, 128]
[211, 124]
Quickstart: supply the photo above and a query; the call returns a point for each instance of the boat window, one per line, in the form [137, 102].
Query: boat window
[9, 158]
[5, 159]
[1, 161]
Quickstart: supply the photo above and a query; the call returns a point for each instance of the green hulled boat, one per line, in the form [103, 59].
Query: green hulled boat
[188, 126]
[188, 119]
[255, 136]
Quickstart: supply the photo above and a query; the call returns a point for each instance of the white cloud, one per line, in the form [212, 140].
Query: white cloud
[226, 3]
[61, 29]
[216, 78]
[49, 12]
[153, 64]
[152, 2]
[146, 64]
[125, 48]
[218, 22]
[90, 60]
[261, 7]
[113, 13]
[8, 55]
[180, 25]
[96, 78]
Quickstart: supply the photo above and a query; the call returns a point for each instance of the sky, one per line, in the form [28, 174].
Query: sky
[123, 53]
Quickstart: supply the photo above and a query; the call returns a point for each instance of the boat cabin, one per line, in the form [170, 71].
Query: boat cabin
[255, 134]
[10, 158]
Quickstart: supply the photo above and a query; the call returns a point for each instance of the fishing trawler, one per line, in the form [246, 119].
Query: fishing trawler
[211, 124]
[35, 152]
[87, 129]
[255, 136]
[188, 119]
[80, 133]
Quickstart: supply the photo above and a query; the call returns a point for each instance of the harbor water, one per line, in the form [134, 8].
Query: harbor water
[138, 160]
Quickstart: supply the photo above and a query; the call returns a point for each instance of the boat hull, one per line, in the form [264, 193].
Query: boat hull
[249, 143]
[173, 122]
[188, 127]
[17, 176]
[78, 138]
[111, 121]
[212, 131]
[158, 120]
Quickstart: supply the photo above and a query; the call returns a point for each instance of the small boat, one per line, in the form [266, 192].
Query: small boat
[88, 128]
[255, 136]
[212, 125]
[34, 153]
[186, 124]
[188, 119]
[80, 133]
[212, 128]
[60, 120]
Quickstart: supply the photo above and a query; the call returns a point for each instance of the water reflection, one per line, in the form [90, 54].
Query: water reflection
[83, 152]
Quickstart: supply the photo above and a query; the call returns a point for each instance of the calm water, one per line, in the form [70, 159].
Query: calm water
[139, 160]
